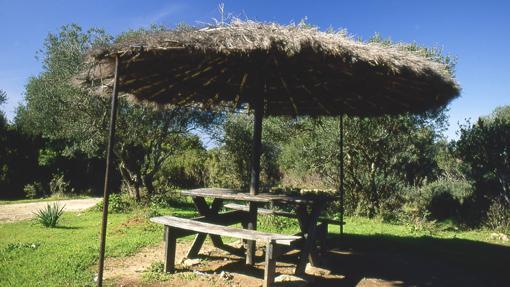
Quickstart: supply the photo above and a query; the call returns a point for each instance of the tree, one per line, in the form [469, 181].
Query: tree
[382, 156]
[18, 158]
[66, 114]
[485, 148]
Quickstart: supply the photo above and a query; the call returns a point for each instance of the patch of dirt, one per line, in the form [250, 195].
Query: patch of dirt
[216, 268]
[23, 211]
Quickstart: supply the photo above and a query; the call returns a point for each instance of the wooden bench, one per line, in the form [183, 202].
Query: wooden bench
[176, 227]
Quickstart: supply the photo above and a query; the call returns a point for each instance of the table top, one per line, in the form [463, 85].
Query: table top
[232, 194]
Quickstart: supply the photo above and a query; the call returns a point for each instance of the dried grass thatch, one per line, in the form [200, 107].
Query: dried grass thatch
[298, 70]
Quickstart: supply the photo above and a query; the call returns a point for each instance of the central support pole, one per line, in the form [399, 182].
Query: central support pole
[109, 154]
[255, 175]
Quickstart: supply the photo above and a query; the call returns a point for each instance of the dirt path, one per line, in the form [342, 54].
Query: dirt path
[22, 211]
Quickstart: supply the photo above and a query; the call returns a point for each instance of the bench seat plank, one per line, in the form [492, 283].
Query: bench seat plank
[204, 227]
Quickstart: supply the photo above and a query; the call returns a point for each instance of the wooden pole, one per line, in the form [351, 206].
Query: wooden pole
[341, 124]
[109, 154]
[255, 175]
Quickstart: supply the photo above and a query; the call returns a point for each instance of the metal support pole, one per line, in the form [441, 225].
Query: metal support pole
[255, 175]
[109, 154]
[341, 124]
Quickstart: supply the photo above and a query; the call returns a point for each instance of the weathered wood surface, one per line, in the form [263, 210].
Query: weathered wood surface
[170, 246]
[209, 212]
[231, 194]
[203, 227]
[270, 262]
[266, 211]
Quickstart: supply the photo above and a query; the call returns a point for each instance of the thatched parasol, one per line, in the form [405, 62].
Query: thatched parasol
[298, 70]
[276, 70]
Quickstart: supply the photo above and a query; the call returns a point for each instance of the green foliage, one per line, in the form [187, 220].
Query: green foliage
[75, 122]
[382, 156]
[117, 203]
[50, 215]
[498, 217]
[485, 149]
[185, 168]
[229, 164]
[438, 200]
[19, 246]
[33, 190]
[156, 273]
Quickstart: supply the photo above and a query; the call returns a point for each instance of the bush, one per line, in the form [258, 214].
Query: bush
[33, 190]
[50, 215]
[59, 186]
[117, 203]
[498, 217]
[441, 199]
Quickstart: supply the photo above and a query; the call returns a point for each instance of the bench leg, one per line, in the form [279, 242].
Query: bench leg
[170, 246]
[269, 271]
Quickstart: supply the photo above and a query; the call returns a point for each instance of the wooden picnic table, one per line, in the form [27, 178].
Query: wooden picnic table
[307, 210]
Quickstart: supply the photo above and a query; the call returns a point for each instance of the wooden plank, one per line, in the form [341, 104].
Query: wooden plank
[170, 247]
[309, 251]
[197, 244]
[251, 225]
[208, 212]
[232, 194]
[265, 211]
[203, 227]
[225, 218]
[270, 262]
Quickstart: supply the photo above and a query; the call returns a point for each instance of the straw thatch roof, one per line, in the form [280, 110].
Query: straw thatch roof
[297, 69]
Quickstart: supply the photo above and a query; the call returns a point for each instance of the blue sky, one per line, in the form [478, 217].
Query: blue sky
[476, 32]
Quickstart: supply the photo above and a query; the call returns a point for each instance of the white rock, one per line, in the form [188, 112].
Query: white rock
[316, 270]
[292, 280]
[191, 262]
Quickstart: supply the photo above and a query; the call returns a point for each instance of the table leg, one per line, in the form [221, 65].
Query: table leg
[209, 212]
[252, 225]
[197, 244]
[309, 251]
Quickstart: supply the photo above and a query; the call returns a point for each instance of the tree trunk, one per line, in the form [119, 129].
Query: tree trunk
[148, 183]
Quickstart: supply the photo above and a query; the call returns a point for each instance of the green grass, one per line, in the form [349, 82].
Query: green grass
[31, 255]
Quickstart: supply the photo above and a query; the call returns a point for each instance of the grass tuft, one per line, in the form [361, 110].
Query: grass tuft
[50, 215]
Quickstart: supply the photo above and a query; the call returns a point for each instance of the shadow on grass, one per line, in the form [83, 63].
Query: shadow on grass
[382, 260]
[410, 261]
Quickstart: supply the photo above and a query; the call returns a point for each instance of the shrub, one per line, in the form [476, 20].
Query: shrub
[498, 217]
[440, 199]
[33, 190]
[50, 215]
[117, 203]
